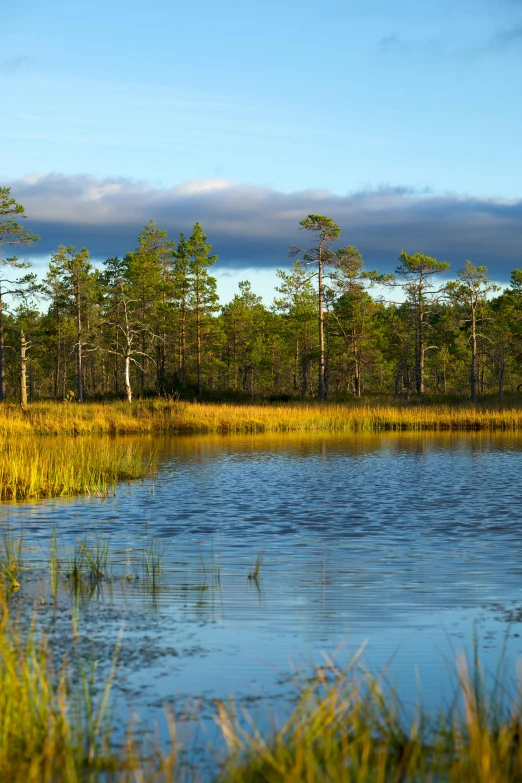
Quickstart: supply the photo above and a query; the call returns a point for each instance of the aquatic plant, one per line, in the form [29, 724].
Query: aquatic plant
[152, 562]
[33, 467]
[256, 568]
[11, 557]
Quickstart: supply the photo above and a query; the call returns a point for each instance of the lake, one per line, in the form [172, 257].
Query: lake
[410, 543]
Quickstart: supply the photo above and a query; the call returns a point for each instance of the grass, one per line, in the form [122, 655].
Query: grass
[11, 559]
[57, 723]
[152, 416]
[56, 726]
[50, 729]
[32, 467]
[256, 568]
[347, 727]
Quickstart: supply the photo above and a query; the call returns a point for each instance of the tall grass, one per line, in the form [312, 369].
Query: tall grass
[347, 727]
[50, 728]
[185, 417]
[32, 467]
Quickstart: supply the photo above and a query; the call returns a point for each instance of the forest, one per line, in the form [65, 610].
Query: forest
[150, 323]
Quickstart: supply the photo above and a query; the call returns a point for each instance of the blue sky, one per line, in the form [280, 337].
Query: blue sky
[262, 103]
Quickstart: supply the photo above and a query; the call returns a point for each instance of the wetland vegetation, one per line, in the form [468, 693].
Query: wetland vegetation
[58, 723]
[322, 528]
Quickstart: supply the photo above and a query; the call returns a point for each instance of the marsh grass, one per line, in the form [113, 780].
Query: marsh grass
[52, 725]
[160, 415]
[256, 568]
[152, 562]
[33, 467]
[348, 726]
[11, 558]
[57, 725]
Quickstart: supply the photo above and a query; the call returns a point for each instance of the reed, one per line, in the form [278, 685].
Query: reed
[32, 467]
[186, 417]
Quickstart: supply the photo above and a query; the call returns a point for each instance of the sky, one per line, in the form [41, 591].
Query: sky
[401, 120]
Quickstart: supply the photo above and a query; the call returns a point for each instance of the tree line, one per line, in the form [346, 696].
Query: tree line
[150, 322]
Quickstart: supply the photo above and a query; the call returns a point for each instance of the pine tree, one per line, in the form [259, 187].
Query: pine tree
[203, 295]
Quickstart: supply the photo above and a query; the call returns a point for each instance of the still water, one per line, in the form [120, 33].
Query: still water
[407, 542]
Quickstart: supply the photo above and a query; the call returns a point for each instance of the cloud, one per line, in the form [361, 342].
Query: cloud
[14, 65]
[393, 43]
[509, 37]
[253, 226]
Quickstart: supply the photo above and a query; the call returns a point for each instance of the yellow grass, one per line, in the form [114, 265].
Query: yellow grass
[35, 467]
[185, 417]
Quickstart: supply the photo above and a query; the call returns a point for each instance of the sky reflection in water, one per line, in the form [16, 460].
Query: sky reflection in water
[408, 541]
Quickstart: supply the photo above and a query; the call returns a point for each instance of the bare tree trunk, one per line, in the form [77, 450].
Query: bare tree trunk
[296, 365]
[473, 374]
[128, 388]
[322, 373]
[357, 365]
[182, 361]
[57, 367]
[143, 365]
[23, 370]
[31, 381]
[79, 362]
[419, 358]
[198, 348]
[2, 352]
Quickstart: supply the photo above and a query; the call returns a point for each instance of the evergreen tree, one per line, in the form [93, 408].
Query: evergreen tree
[203, 297]
[12, 235]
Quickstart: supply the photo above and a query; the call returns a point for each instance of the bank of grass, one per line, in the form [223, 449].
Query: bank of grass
[56, 726]
[36, 467]
[149, 416]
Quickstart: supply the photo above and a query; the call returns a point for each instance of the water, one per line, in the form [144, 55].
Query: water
[406, 542]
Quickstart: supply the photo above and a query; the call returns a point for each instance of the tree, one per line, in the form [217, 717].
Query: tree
[71, 272]
[122, 314]
[417, 271]
[182, 291]
[297, 305]
[12, 234]
[150, 275]
[471, 292]
[203, 296]
[244, 322]
[353, 307]
[320, 255]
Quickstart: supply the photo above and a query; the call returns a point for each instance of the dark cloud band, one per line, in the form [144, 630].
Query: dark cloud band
[252, 226]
